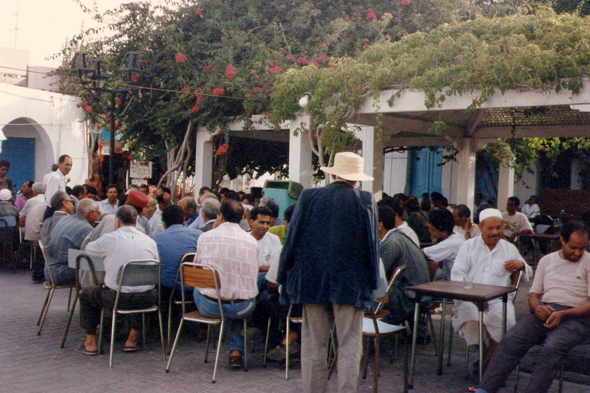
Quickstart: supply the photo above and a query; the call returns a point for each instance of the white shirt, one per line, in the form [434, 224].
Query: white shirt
[119, 247]
[531, 211]
[561, 281]
[46, 178]
[445, 252]
[198, 223]
[156, 224]
[515, 223]
[31, 203]
[409, 232]
[34, 222]
[269, 247]
[106, 208]
[56, 182]
[473, 231]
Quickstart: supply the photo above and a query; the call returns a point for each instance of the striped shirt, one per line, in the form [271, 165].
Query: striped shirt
[234, 254]
[68, 233]
[119, 247]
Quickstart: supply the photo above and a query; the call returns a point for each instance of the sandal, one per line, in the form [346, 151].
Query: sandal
[82, 349]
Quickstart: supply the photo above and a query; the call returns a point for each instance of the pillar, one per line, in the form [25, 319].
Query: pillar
[203, 159]
[465, 174]
[505, 184]
[300, 151]
[372, 153]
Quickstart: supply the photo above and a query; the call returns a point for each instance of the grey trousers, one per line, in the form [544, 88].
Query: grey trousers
[527, 332]
[315, 334]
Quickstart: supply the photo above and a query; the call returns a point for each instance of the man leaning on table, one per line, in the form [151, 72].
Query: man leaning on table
[117, 248]
[559, 318]
[487, 259]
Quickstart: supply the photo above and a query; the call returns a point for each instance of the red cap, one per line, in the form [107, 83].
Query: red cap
[137, 199]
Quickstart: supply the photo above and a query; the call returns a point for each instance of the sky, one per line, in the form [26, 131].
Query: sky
[45, 25]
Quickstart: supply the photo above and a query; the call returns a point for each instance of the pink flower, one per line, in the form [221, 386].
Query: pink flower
[181, 58]
[118, 101]
[199, 12]
[257, 90]
[134, 78]
[230, 72]
[278, 54]
[222, 149]
[290, 58]
[371, 15]
[88, 108]
[304, 52]
[322, 44]
[186, 89]
[195, 109]
[209, 67]
[218, 91]
[405, 2]
[200, 99]
[276, 70]
[303, 61]
[346, 19]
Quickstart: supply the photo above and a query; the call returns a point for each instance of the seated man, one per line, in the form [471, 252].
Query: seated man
[38, 198]
[69, 232]
[531, 208]
[403, 226]
[273, 205]
[172, 244]
[117, 248]
[111, 203]
[189, 207]
[398, 249]
[515, 223]
[163, 197]
[486, 259]
[447, 242]
[26, 193]
[200, 222]
[234, 254]
[463, 224]
[269, 245]
[281, 230]
[209, 212]
[62, 206]
[559, 317]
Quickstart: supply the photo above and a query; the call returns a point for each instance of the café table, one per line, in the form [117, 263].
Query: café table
[448, 290]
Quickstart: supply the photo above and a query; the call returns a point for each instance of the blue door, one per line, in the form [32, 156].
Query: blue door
[426, 167]
[486, 176]
[20, 152]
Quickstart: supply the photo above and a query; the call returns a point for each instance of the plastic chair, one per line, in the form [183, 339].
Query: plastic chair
[7, 226]
[204, 276]
[51, 287]
[186, 257]
[132, 274]
[88, 266]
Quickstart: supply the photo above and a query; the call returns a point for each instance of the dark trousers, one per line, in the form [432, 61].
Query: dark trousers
[92, 300]
[269, 306]
[527, 332]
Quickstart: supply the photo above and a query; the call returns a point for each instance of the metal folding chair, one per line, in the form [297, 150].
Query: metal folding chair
[32, 244]
[51, 287]
[289, 320]
[8, 225]
[132, 274]
[203, 276]
[186, 257]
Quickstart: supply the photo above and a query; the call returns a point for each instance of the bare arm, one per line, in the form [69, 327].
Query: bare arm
[556, 317]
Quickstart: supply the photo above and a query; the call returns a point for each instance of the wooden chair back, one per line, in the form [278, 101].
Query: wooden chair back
[200, 276]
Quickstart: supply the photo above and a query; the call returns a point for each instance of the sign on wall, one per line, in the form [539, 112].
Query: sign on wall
[141, 169]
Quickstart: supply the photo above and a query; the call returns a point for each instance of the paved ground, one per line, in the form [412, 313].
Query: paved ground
[31, 363]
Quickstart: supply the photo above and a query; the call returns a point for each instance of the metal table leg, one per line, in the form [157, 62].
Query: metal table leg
[414, 341]
[441, 339]
[480, 343]
[504, 312]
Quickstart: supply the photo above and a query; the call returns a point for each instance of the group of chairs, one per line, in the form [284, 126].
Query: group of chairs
[9, 233]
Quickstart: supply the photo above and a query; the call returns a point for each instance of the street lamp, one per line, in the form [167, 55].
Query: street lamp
[92, 76]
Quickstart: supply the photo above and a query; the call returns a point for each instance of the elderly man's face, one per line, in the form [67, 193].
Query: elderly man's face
[491, 230]
[66, 166]
[574, 249]
[149, 211]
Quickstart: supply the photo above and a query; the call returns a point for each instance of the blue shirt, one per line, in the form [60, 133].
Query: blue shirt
[69, 232]
[191, 220]
[172, 243]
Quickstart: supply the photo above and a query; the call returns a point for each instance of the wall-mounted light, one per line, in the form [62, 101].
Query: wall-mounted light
[304, 101]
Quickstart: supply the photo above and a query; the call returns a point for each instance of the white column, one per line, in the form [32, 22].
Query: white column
[465, 174]
[505, 184]
[203, 159]
[300, 151]
[373, 155]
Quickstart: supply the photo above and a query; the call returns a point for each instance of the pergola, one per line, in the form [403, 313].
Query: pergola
[408, 122]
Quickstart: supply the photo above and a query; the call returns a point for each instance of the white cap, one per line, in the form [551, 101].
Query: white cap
[5, 195]
[487, 213]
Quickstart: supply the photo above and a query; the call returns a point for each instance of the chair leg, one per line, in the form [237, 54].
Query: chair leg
[559, 390]
[376, 374]
[143, 328]
[436, 349]
[466, 361]
[63, 340]
[245, 345]
[161, 333]
[207, 344]
[51, 291]
[43, 308]
[218, 350]
[516, 372]
[168, 333]
[266, 342]
[450, 349]
[174, 345]
[69, 300]
[112, 338]
[366, 356]
[100, 335]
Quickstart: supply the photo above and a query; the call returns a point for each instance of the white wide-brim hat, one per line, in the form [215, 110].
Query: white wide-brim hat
[348, 166]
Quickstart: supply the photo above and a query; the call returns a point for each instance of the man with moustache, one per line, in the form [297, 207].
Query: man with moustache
[487, 259]
[559, 317]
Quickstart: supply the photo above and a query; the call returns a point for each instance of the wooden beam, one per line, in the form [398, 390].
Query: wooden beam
[395, 124]
[264, 135]
[533, 132]
[474, 121]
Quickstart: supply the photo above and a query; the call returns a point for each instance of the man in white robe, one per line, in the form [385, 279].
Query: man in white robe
[487, 259]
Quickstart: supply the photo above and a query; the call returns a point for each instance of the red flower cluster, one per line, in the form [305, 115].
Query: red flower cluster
[290, 58]
[218, 91]
[222, 149]
[88, 108]
[181, 58]
[405, 2]
[199, 12]
[304, 52]
[209, 67]
[195, 109]
[186, 89]
[302, 61]
[278, 54]
[200, 99]
[371, 14]
[134, 78]
[230, 72]
[257, 90]
[118, 101]
[276, 70]
[320, 59]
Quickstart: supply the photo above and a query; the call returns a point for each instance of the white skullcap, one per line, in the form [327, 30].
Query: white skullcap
[487, 213]
[5, 195]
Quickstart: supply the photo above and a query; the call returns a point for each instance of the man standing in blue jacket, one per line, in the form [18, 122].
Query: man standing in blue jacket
[330, 264]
